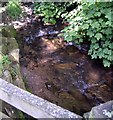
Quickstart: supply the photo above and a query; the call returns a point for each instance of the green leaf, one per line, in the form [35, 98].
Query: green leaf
[97, 14]
[108, 23]
[108, 15]
[101, 54]
[96, 46]
[53, 21]
[95, 25]
[89, 21]
[110, 58]
[111, 45]
[108, 31]
[106, 63]
[98, 36]
[100, 20]
[105, 50]
[85, 26]
[90, 33]
[93, 40]
[94, 56]
[81, 40]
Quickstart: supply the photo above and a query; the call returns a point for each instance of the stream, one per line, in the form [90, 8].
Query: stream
[61, 72]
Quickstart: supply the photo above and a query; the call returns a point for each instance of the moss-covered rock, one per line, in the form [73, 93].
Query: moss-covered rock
[8, 31]
[7, 45]
[10, 47]
[9, 65]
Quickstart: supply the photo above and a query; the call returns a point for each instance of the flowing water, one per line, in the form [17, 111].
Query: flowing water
[60, 72]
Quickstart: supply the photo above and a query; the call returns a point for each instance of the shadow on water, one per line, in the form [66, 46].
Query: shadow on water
[61, 73]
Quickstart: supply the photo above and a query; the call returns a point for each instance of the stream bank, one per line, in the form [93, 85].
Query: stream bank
[61, 73]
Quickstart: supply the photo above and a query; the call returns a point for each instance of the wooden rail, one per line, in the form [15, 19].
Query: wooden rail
[31, 104]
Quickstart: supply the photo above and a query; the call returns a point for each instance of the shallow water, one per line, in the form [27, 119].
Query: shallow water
[62, 73]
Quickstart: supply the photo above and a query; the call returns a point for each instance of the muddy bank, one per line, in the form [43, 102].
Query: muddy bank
[61, 73]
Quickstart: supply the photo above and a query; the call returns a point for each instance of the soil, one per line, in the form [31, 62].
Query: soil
[62, 73]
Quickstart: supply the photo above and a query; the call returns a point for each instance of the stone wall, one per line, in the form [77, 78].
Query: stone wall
[9, 48]
[9, 64]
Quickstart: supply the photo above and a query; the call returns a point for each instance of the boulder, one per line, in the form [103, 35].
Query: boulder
[103, 111]
[7, 45]
[86, 115]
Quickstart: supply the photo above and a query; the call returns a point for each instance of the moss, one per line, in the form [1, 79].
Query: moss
[4, 63]
[26, 84]
[8, 31]
[21, 115]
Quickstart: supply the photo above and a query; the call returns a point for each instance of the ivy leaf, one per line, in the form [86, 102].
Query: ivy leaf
[110, 58]
[90, 33]
[81, 40]
[100, 20]
[98, 36]
[94, 56]
[108, 23]
[95, 25]
[108, 31]
[93, 40]
[68, 38]
[101, 53]
[85, 26]
[111, 45]
[106, 51]
[108, 15]
[90, 52]
[97, 14]
[96, 46]
[89, 21]
[106, 63]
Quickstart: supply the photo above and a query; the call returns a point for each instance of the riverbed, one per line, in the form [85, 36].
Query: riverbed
[60, 72]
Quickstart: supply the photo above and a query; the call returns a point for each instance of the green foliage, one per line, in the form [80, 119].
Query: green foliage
[50, 10]
[92, 22]
[14, 9]
[4, 63]
[5, 60]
